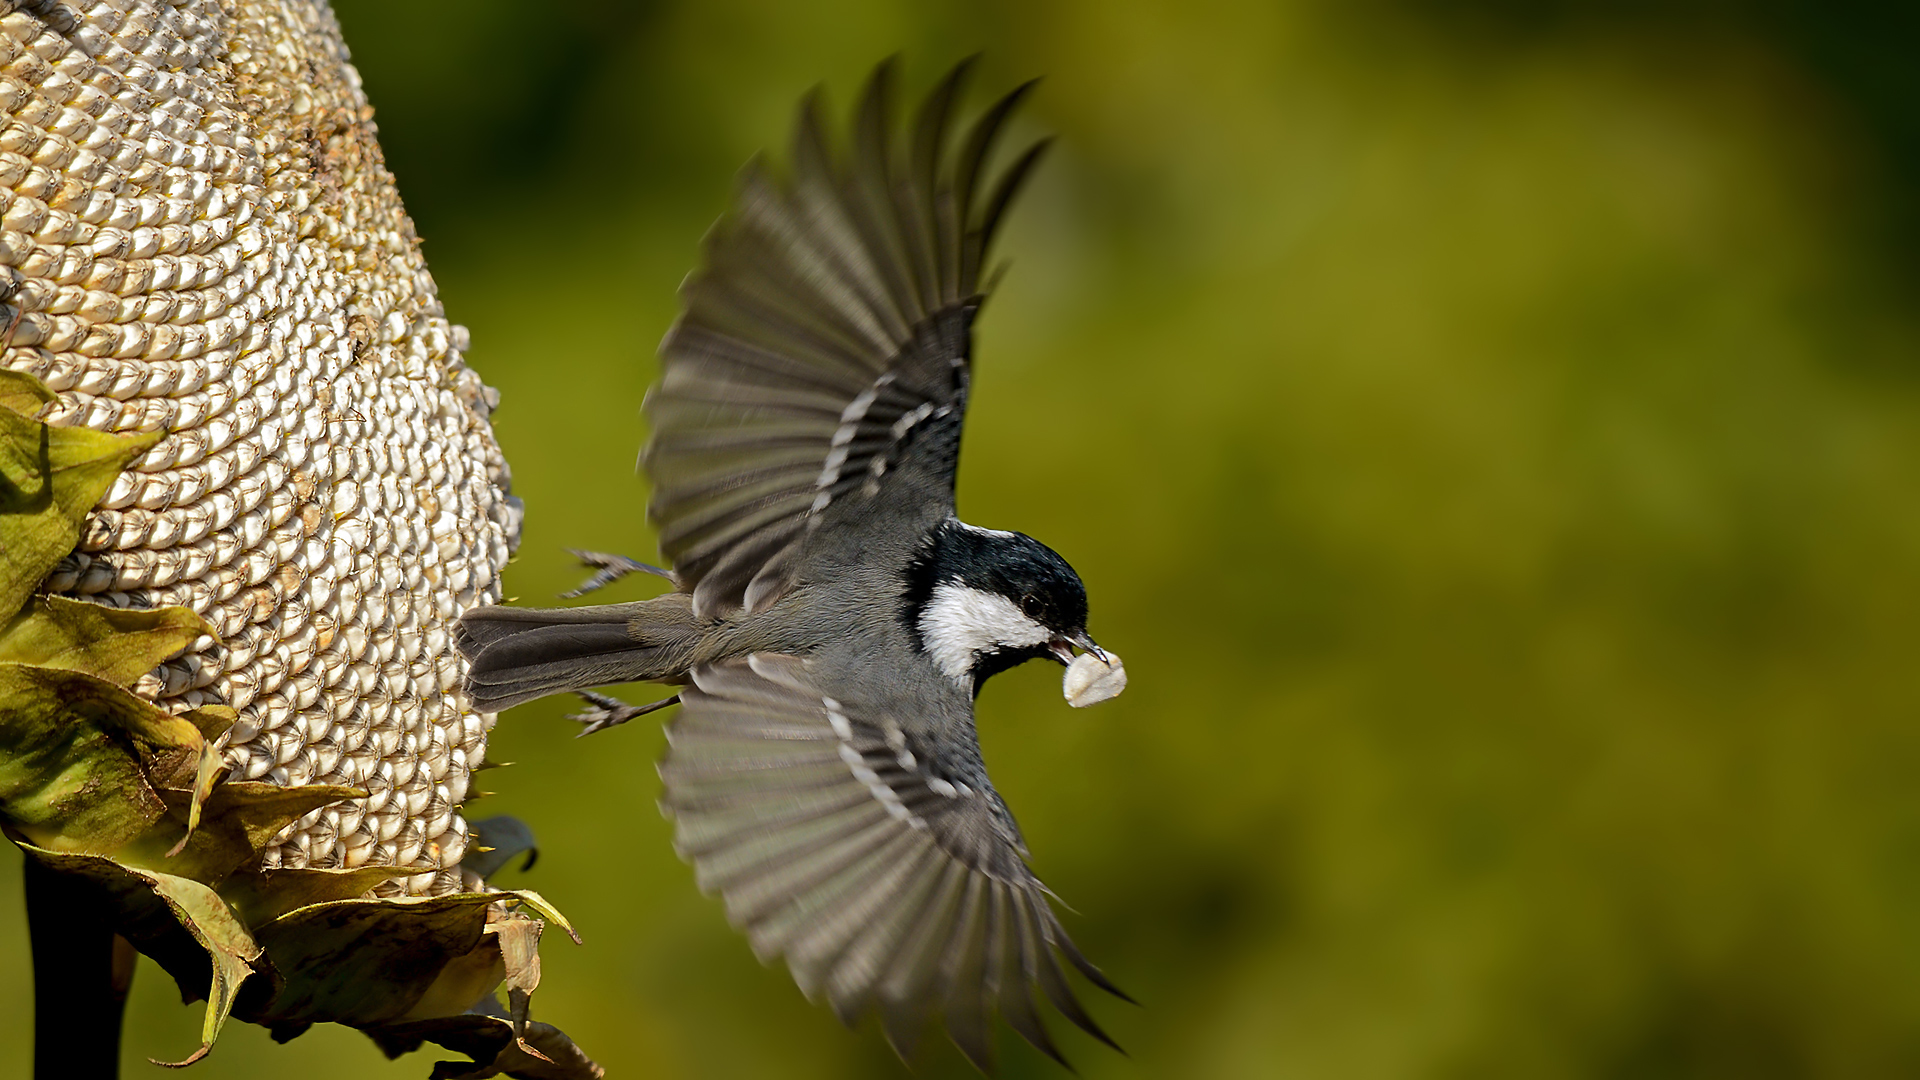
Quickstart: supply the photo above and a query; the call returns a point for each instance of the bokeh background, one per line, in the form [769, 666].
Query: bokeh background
[1489, 430]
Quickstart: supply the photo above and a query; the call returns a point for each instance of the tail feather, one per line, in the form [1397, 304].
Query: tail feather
[519, 654]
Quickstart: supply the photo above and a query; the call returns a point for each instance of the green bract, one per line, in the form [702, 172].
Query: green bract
[101, 785]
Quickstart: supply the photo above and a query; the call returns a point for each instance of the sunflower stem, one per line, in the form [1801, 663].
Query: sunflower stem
[81, 973]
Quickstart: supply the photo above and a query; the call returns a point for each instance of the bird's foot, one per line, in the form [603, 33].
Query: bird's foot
[604, 712]
[611, 568]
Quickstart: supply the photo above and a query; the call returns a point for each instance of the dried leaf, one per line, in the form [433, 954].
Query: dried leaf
[545, 1053]
[195, 772]
[545, 909]
[239, 820]
[155, 910]
[369, 962]
[464, 981]
[519, 939]
[212, 720]
[205, 772]
[486, 1035]
[272, 893]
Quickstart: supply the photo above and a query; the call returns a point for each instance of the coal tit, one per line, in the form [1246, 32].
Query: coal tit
[832, 621]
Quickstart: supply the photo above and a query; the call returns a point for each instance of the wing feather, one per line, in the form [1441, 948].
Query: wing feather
[1018, 973]
[851, 986]
[823, 349]
[931, 210]
[963, 974]
[837, 843]
[906, 998]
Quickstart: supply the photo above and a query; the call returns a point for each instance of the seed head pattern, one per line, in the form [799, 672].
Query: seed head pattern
[198, 235]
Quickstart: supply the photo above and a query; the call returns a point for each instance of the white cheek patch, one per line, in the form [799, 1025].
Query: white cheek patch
[1090, 680]
[960, 623]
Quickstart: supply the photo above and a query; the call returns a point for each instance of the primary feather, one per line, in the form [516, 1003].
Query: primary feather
[823, 356]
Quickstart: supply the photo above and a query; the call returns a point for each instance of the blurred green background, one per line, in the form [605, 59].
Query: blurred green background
[1490, 431]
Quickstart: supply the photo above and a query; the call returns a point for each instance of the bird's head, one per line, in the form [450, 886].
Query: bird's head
[980, 601]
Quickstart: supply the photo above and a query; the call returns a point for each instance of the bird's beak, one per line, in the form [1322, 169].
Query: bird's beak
[1062, 647]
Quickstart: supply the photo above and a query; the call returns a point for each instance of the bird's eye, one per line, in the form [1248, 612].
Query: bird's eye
[1030, 606]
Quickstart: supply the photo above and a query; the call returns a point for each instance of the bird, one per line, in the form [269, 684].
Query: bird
[832, 620]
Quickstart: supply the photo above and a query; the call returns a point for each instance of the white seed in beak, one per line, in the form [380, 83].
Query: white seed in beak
[1090, 679]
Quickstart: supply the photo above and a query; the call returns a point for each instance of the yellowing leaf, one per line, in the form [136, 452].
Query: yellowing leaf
[117, 645]
[49, 478]
[70, 770]
[22, 392]
[212, 720]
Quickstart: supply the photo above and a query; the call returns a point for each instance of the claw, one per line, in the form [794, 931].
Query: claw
[606, 712]
[611, 569]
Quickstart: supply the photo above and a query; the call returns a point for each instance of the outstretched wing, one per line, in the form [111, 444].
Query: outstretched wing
[823, 353]
[836, 843]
